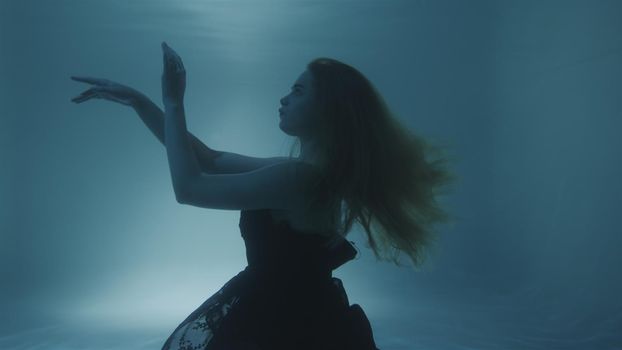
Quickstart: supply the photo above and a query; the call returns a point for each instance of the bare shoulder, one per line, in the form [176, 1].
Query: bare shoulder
[306, 168]
[298, 173]
[292, 177]
[296, 170]
[321, 221]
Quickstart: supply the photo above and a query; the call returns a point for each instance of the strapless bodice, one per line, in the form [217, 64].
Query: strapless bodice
[276, 245]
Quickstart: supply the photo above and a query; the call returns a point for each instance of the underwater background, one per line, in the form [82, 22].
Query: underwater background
[95, 253]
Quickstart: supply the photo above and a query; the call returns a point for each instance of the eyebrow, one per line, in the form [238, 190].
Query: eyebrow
[297, 85]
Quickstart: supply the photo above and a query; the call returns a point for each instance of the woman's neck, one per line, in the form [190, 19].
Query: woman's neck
[309, 152]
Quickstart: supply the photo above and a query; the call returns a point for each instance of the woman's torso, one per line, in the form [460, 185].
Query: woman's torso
[323, 222]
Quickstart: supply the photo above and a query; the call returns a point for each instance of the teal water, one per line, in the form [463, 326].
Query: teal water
[96, 254]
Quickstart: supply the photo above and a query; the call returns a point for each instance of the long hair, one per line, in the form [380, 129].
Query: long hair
[374, 168]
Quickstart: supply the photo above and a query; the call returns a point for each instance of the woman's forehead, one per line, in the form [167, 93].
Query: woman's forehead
[304, 79]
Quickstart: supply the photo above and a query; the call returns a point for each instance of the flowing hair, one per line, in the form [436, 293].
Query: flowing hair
[381, 174]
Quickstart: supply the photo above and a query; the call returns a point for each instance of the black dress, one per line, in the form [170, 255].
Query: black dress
[286, 298]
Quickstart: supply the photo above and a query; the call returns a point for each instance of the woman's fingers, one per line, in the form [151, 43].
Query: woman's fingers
[176, 59]
[88, 94]
[104, 93]
[180, 64]
[171, 57]
[166, 55]
[82, 98]
[89, 80]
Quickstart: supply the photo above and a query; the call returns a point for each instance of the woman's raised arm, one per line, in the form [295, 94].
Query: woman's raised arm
[153, 117]
[210, 160]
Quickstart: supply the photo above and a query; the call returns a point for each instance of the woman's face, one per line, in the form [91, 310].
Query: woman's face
[299, 107]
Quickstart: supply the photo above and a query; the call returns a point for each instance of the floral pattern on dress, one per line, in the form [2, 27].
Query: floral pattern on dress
[198, 329]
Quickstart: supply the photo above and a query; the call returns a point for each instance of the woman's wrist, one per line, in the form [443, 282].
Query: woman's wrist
[173, 104]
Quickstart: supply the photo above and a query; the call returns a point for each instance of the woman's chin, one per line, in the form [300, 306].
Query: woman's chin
[282, 125]
[284, 128]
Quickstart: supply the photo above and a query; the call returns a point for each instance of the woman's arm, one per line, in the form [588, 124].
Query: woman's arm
[211, 161]
[275, 187]
[153, 117]
[182, 162]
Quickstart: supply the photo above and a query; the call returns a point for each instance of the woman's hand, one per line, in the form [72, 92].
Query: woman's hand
[173, 78]
[108, 90]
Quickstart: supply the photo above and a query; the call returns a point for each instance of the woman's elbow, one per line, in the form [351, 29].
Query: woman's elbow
[180, 194]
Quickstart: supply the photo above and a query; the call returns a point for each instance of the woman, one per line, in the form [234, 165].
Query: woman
[356, 162]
